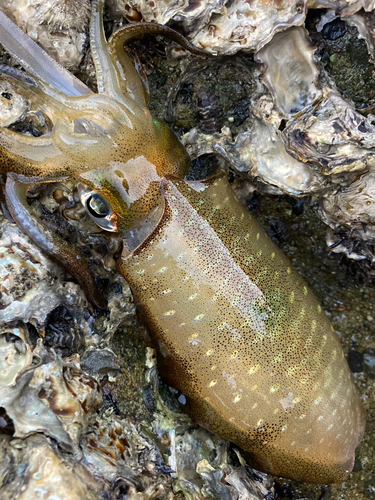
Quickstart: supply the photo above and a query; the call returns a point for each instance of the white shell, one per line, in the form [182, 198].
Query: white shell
[290, 71]
[220, 26]
[333, 134]
[15, 355]
[58, 26]
[12, 107]
[353, 206]
[41, 471]
[28, 282]
[264, 149]
[54, 398]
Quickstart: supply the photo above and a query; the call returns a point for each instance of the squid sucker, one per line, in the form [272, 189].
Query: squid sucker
[236, 328]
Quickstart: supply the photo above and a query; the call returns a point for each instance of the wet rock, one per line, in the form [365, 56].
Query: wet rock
[203, 167]
[334, 30]
[369, 362]
[343, 52]
[253, 202]
[211, 94]
[299, 206]
[369, 488]
[63, 333]
[357, 465]
[240, 112]
[355, 361]
[277, 231]
[100, 361]
[209, 114]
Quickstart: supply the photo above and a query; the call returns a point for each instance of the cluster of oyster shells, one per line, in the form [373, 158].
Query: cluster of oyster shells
[59, 27]
[302, 138]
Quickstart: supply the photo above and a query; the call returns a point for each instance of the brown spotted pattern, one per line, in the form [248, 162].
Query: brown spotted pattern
[239, 332]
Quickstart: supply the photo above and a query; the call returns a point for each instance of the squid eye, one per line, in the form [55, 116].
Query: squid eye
[97, 206]
[99, 210]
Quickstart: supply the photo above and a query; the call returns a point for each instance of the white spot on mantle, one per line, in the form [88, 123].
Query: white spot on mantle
[287, 402]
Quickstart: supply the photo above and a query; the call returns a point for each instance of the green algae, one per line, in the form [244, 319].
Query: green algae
[347, 62]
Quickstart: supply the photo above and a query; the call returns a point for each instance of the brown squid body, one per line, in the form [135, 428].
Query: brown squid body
[239, 332]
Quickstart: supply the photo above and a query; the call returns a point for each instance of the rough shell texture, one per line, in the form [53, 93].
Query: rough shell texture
[193, 15]
[225, 27]
[290, 72]
[51, 397]
[34, 466]
[333, 134]
[112, 448]
[343, 7]
[29, 288]
[59, 26]
[261, 152]
[353, 206]
[302, 135]
[263, 148]
[220, 26]
[69, 427]
[15, 355]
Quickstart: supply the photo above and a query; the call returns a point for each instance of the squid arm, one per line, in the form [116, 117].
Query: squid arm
[49, 242]
[36, 61]
[116, 73]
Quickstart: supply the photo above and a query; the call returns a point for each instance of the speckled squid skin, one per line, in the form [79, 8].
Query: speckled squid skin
[239, 332]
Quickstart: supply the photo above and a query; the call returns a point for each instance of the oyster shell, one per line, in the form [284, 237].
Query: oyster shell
[121, 452]
[190, 14]
[29, 289]
[263, 149]
[290, 71]
[15, 355]
[352, 206]
[333, 134]
[49, 399]
[59, 26]
[302, 137]
[260, 152]
[32, 467]
[52, 397]
[220, 26]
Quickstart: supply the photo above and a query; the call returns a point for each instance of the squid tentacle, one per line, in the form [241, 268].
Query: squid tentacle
[36, 61]
[106, 74]
[116, 73]
[49, 242]
[128, 76]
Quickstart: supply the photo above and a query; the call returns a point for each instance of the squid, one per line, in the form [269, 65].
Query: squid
[235, 327]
